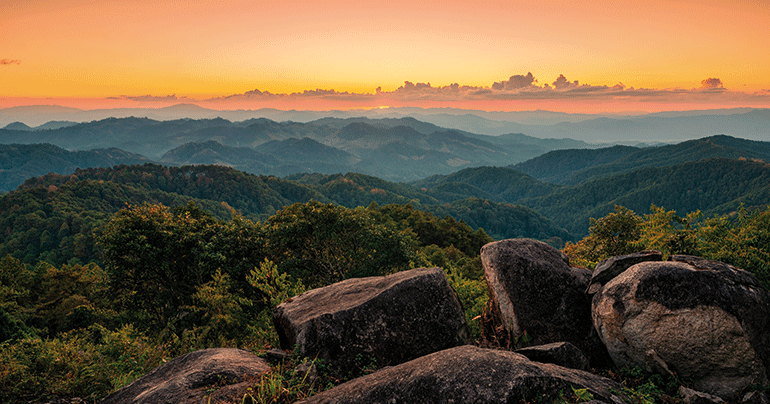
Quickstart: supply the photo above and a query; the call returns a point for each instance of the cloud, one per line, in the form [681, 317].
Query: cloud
[517, 88]
[10, 62]
[515, 82]
[425, 91]
[711, 83]
[151, 98]
[562, 83]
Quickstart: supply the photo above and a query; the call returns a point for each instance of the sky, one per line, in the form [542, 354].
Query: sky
[577, 56]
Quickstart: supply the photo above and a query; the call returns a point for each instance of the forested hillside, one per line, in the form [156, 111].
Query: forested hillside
[19, 162]
[572, 167]
[57, 218]
[494, 183]
[713, 186]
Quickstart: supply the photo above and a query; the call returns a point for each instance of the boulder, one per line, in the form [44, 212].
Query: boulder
[690, 396]
[377, 321]
[469, 374]
[706, 321]
[533, 289]
[611, 267]
[209, 375]
[559, 353]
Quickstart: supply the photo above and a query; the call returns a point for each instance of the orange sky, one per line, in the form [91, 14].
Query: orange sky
[105, 53]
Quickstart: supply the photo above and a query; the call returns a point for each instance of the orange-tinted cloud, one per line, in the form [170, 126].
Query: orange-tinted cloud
[711, 83]
[151, 98]
[517, 93]
[515, 82]
[9, 62]
[562, 83]
[516, 88]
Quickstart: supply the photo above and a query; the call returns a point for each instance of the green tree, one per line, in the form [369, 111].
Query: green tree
[69, 297]
[15, 283]
[153, 258]
[615, 234]
[668, 233]
[741, 239]
[324, 243]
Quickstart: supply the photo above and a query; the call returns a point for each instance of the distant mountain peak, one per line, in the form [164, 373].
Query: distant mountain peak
[185, 107]
[17, 126]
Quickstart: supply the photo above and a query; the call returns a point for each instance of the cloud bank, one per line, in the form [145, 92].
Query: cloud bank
[150, 98]
[518, 92]
[517, 88]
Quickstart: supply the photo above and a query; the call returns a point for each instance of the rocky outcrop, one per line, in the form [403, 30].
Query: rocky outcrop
[690, 396]
[559, 353]
[706, 321]
[468, 374]
[533, 288]
[209, 375]
[378, 320]
[608, 269]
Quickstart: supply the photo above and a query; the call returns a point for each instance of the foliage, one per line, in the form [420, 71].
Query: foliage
[614, 234]
[431, 230]
[290, 380]
[88, 363]
[153, 258]
[668, 233]
[324, 243]
[274, 287]
[741, 239]
[70, 297]
[643, 387]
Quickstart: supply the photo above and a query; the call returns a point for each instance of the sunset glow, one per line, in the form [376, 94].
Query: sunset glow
[583, 56]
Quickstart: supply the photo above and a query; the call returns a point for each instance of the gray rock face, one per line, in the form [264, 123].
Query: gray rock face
[755, 397]
[706, 321]
[559, 353]
[190, 378]
[614, 266]
[387, 320]
[690, 396]
[533, 289]
[468, 374]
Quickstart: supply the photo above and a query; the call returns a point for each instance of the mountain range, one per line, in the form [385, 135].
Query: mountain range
[510, 185]
[629, 128]
[714, 175]
[402, 149]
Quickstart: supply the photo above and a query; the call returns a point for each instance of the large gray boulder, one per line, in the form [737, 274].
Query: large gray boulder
[374, 321]
[611, 267]
[533, 288]
[706, 321]
[209, 375]
[469, 374]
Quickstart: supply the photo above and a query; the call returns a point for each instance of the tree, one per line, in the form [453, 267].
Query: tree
[668, 233]
[741, 239]
[154, 255]
[615, 234]
[323, 243]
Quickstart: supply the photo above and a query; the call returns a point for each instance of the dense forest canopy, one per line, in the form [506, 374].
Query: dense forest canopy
[175, 280]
